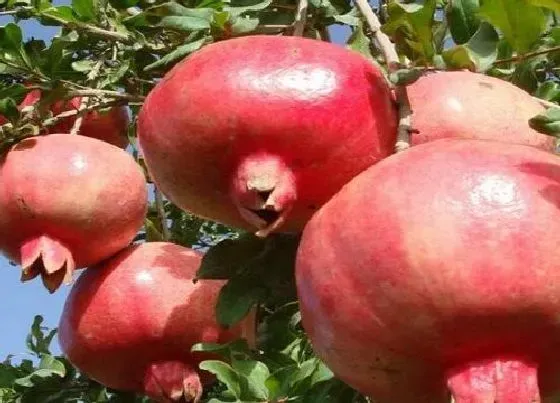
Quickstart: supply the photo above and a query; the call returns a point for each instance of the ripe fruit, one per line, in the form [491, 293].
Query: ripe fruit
[130, 322]
[440, 267]
[67, 202]
[471, 105]
[260, 131]
[110, 126]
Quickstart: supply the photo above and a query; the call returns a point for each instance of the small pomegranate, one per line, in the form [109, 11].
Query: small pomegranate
[259, 131]
[130, 322]
[439, 268]
[473, 105]
[67, 202]
[110, 126]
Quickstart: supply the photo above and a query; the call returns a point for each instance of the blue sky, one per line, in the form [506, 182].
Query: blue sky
[21, 302]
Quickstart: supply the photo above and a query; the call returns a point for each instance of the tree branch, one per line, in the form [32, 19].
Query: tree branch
[528, 55]
[78, 122]
[90, 92]
[75, 112]
[161, 214]
[389, 51]
[301, 18]
[91, 29]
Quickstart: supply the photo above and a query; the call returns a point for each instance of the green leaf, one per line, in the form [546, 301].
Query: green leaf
[413, 22]
[230, 256]
[178, 53]
[478, 54]
[521, 23]
[86, 9]
[256, 374]
[547, 122]
[236, 299]
[11, 45]
[51, 363]
[359, 42]
[83, 66]
[243, 25]
[185, 23]
[551, 4]
[463, 19]
[61, 14]
[548, 90]
[406, 76]
[225, 374]
[9, 109]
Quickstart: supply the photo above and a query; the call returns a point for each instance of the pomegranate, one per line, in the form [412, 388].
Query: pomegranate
[130, 322]
[67, 202]
[110, 126]
[259, 131]
[438, 269]
[473, 105]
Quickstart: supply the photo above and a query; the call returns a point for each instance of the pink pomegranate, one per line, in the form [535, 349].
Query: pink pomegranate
[110, 126]
[130, 322]
[259, 131]
[472, 105]
[67, 202]
[437, 269]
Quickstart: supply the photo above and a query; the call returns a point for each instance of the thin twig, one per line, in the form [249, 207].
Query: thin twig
[75, 112]
[92, 29]
[301, 18]
[528, 55]
[90, 92]
[389, 51]
[78, 122]
[11, 12]
[325, 35]
[161, 214]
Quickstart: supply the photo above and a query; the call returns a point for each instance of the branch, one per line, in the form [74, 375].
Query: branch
[528, 55]
[161, 214]
[91, 29]
[105, 93]
[11, 12]
[393, 64]
[301, 18]
[78, 122]
[75, 112]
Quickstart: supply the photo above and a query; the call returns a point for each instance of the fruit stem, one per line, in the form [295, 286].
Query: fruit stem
[389, 51]
[264, 191]
[495, 381]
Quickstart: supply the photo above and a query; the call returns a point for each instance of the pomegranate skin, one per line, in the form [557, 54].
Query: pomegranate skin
[140, 311]
[439, 268]
[472, 105]
[260, 131]
[67, 202]
[110, 126]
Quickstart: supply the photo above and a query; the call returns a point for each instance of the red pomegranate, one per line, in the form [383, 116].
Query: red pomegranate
[260, 131]
[130, 322]
[471, 105]
[110, 126]
[67, 202]
[439, 268]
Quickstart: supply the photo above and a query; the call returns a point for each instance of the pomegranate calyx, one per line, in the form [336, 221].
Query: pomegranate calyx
[173, 381]
[495, 381]
[264, 192]
[48, 258]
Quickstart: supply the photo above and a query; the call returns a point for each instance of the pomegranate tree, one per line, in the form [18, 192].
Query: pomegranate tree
[438, 269]
[259, 131]
[130, 322]
[472, 105]
[110, 126]
[67, 202]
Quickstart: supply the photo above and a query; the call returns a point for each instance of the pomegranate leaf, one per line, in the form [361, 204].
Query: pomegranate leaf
[9, 109]
[236, 300]
[547, 122]
[551, 4]
[463, 19]
[478, 54]
[178, 53]
[255, 374]
[521, 23]
[225, 374]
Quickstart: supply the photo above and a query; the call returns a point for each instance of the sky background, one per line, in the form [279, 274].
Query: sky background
[19, 303]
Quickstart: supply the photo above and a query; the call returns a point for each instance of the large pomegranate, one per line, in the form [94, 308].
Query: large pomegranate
[110, 126]
[440, 268]
[472, 105]
[67, 202]
[260, 131]
[130, 322]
